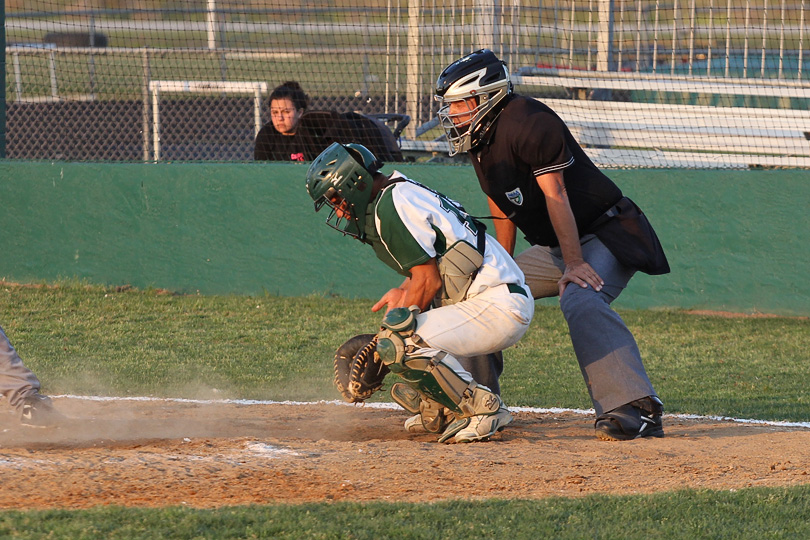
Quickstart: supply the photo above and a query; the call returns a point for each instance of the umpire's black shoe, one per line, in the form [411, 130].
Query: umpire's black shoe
[640, 418]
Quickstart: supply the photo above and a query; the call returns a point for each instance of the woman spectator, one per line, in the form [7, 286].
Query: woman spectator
[280, 140]
[297, 133]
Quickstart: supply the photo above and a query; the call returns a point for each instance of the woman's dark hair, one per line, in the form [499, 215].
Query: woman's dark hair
[291, 90]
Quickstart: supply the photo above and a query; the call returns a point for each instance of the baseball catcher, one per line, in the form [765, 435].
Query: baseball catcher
[463, 296]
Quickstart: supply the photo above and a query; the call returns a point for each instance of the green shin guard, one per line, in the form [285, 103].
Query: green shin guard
[406, 397]
[434, 416]
[431, 378]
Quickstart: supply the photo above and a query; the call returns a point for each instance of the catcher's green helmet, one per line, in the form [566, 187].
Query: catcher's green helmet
[343, 172]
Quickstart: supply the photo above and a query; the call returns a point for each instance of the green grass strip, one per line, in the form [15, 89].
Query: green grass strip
[755, 513]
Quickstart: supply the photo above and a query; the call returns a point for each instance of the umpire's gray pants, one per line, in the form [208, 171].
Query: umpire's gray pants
[16, 380]
[486, 369]
[605, 349]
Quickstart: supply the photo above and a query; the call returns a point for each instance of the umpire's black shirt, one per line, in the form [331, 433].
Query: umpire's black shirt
[527, 140]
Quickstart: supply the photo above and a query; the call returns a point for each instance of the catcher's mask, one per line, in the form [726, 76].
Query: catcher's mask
[479, 75]
[341, 177]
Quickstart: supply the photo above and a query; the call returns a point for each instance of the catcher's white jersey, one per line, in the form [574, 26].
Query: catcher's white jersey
[415, 224]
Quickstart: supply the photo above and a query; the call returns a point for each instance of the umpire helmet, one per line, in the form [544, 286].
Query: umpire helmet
[481, 75]
[341, 177]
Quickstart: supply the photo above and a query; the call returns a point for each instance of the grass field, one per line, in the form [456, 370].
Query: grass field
[93, 340]
[749, 514]
[83, 339]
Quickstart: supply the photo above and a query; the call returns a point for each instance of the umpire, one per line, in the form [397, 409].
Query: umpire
[587, 239]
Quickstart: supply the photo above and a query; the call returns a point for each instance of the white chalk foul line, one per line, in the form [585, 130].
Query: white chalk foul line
[394, 406]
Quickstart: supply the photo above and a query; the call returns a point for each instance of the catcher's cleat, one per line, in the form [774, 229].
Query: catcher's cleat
[37, 411]
[634, 420]
[414, 424]
[477, 428]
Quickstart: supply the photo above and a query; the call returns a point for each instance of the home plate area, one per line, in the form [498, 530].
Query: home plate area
[154, 453]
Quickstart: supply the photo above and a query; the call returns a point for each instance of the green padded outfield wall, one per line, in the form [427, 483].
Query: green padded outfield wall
[737, 240]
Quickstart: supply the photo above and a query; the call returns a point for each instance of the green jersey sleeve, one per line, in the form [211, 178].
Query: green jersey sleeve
[396, 246]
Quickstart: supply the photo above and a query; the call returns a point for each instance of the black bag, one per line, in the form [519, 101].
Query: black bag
[319, 129]
[374, 135]
[628, 234]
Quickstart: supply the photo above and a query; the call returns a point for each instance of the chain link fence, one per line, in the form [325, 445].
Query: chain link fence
[708, 82]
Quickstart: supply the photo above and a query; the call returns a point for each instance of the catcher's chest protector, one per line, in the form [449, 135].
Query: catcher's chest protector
[458, 267]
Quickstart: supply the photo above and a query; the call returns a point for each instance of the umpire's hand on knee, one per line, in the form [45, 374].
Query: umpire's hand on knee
[581, 273]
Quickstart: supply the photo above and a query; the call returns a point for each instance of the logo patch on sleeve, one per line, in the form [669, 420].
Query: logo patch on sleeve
[515, 196]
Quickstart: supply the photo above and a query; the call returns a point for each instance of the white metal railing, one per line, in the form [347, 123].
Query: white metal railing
[663, 83]
[200, 87]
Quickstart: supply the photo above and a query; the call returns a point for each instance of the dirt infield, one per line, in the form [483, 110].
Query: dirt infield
[163, 453]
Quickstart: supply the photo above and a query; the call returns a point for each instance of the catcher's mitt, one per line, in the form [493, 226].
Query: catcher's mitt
[358, 371]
